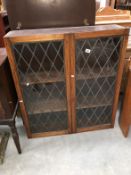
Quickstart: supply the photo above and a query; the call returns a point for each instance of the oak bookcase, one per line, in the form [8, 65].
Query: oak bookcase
[67, 79]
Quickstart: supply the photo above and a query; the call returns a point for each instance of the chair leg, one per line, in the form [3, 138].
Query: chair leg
[15, 137]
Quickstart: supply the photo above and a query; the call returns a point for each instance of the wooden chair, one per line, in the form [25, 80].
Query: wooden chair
[8, 98]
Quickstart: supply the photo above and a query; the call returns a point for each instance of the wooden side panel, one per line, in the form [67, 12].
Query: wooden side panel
[125, 119]
[124, 76]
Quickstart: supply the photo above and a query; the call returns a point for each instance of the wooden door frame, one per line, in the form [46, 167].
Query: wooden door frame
[15, 75]
[67, 64]
[71, 52]
[123, 47]
[8, 43]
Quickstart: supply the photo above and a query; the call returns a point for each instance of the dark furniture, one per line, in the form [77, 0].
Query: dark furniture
[4, 137]
[4, 27]
[125, 4]
[67, 79]
[8, 98]
[43, 14]
[125, 118]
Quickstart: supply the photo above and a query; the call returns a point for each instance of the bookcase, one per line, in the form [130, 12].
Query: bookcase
[67, 79]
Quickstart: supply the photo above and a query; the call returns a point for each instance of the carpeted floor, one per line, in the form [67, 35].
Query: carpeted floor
[104, 152]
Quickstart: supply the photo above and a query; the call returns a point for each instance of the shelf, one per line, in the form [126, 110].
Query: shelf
[86, 74]
[48, 123]
[96, 103]
[105, 120]
[59, 105]
[41, 77]
[41, 106]
[91, 117]
[53, 77]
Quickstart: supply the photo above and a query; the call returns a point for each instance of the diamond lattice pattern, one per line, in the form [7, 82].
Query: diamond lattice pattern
[41, 72]
[96, 69]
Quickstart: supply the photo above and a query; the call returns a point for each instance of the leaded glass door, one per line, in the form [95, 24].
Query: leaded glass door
[42, 77]
[96, 68]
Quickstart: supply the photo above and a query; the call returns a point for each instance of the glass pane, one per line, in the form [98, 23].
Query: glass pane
[41, 69]
[96, 69]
